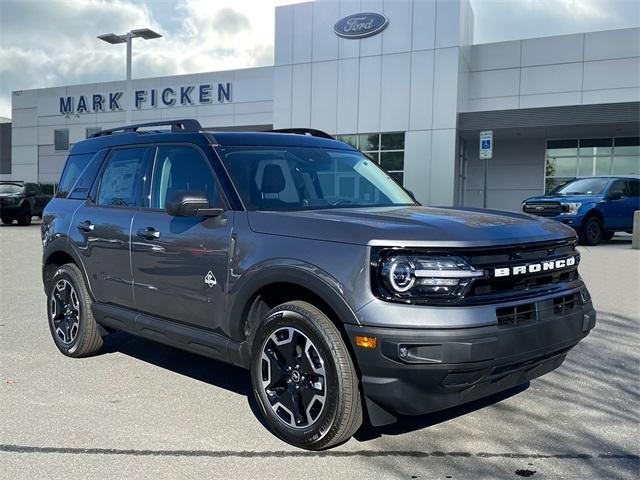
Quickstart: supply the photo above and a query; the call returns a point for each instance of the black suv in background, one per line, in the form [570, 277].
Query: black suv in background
[20, 201]
[297, 257]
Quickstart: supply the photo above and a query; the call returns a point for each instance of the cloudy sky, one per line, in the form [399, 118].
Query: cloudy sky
[47, 43]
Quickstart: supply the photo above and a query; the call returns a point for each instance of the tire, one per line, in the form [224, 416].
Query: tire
[7, 220]
[24, 217]
[592, 231]
[326, 384]
[75, 334]
[608, 235]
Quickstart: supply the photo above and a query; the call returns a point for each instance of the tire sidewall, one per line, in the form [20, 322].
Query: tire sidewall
[288, 316]
[588, 240]
[66, 273]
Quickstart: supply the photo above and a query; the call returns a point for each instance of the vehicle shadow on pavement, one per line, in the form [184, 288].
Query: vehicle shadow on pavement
[407, 424]
[197, 367]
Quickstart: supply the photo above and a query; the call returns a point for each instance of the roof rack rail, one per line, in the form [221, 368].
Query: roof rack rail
[184, 125]
[304, 131]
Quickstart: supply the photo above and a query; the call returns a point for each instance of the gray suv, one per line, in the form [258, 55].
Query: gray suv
[297, 257]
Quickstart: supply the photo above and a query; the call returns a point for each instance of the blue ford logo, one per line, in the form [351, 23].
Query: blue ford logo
[360, 25]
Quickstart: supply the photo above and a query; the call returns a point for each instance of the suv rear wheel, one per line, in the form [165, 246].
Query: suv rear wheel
[303, 378]
[7, 220]
[71, 322]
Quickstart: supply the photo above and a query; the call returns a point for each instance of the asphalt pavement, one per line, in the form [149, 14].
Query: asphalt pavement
[142, 410]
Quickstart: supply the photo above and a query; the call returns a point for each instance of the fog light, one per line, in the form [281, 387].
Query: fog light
[403, 352]
[366, 342]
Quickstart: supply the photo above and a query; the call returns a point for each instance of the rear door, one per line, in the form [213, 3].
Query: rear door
[101, 228]
[180, 264]
[617, 210]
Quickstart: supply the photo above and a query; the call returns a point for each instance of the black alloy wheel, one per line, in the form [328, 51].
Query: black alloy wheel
[592, 231]
[303, 377]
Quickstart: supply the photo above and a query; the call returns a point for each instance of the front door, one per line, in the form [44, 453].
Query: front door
[101, 227]
[180, 264]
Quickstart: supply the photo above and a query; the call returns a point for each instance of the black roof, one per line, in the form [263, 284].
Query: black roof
[133, 134]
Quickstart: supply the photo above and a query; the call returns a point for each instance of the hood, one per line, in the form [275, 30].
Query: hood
[415, 226]
[566, 198]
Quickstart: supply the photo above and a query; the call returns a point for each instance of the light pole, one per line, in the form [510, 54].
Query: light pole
[127, 38]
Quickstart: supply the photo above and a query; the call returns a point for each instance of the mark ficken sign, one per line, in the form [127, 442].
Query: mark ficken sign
[203, 94]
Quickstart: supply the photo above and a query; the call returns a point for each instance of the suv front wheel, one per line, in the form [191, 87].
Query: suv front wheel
[71, 322]
[303, 378]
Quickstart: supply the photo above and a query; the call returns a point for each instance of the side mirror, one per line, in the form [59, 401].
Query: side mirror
[615, 195]
[193, 203]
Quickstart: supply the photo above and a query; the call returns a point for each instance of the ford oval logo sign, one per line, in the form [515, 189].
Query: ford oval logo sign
[360, 25]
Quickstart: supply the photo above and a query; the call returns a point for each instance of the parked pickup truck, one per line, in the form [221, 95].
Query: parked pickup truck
[297, 257]
[20, 201]
[596, 207]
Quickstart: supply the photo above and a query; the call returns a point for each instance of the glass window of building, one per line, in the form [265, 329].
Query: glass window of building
[90, 131]
[387, 149]
[61, 139]
[568, 159]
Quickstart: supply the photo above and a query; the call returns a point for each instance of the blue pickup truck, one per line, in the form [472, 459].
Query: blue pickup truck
[596, 207]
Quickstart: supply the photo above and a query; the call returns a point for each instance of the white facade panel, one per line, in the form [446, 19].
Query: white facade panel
[550, 99]
[283, 45]
[301, 95]
[612, 44]
[325, 41]
[424, 25]
[611, 96]
[550, 50]
[421, 105]
[492, 56]
[622, 73]
[445, 88]
[442, 167]
[348, 48]
[24, 172]
[302, 28]
[371, 45]
[551, 79]
[26, 117]
[447, 24]
[494, 83]
[347, 108]
[24, 136]
[417, 159]
[324, 95]
[282, 76]
[397, 36]
[369, 95]
[395, 90]
[24, 155]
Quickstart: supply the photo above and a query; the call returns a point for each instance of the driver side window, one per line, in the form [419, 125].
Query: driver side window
[183, 169]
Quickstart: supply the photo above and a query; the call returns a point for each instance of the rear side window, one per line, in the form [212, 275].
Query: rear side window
[123, 179]
[78, 175]
[634, 188]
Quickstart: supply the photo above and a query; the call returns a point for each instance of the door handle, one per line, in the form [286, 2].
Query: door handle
[86, 226]
[149, 233]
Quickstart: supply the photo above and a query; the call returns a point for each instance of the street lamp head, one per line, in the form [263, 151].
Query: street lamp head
[145, 33]
[112, 38]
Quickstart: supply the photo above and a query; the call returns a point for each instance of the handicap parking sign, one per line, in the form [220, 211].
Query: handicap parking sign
[486, 144]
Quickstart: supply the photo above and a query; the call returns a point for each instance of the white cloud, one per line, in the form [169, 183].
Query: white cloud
[47, 43]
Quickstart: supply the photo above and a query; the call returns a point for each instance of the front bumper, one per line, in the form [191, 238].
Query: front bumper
[417, 371]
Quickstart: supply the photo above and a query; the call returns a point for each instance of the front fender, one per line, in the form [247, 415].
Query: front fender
[284, 270]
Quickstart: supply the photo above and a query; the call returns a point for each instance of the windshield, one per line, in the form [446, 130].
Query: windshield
[583, 186]
[10, 188]
[300, 178]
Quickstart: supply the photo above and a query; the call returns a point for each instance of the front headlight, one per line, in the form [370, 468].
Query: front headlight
[424, 278]
[570, 208]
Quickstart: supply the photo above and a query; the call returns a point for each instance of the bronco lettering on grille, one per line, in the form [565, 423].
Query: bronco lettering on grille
[534, 267]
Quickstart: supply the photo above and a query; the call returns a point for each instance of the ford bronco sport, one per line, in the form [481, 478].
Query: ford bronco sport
[297, 257]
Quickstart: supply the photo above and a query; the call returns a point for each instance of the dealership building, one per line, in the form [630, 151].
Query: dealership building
[403, 81]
